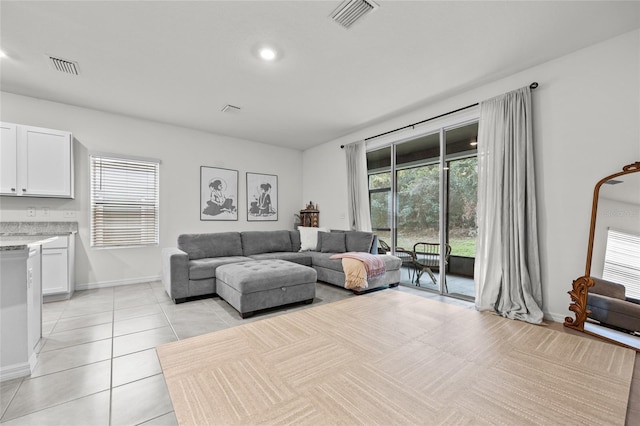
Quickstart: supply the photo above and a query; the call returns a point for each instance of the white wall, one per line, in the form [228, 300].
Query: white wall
[182, 152]
[586, 126]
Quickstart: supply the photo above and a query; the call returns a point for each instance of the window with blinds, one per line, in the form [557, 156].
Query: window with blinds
[622, 261]
[124, 201]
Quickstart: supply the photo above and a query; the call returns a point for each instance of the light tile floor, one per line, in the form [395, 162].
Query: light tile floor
[98, 363]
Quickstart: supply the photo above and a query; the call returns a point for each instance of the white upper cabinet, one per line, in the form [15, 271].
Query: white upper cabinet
[36, 162]
[8, 159]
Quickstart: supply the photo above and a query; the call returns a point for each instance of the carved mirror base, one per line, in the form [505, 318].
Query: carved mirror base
[579, 307]
[579, 303]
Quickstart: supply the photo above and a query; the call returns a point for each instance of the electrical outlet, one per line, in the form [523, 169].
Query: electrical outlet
[44, 211]
[69, 213]
[31, 211]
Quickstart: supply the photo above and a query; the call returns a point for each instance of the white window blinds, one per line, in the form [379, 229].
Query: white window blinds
[124, 201]
[622, 261]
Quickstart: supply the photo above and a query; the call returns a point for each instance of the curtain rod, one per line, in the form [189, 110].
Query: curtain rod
[531, 86]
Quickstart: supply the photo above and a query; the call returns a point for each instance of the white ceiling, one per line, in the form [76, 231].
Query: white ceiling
[180, 62]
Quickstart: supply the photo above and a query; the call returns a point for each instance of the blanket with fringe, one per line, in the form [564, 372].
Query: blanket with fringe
[359, 268]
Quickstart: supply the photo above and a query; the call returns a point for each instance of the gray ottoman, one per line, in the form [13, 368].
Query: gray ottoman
[260, 284]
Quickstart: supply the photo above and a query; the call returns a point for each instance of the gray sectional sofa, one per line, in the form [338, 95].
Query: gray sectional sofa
[609, 305]
[189, 269]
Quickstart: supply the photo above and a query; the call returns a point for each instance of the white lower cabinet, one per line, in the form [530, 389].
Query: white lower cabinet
[57, 268]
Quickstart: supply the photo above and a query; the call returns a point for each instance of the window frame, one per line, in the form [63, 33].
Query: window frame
[124, 203]
[621, 265]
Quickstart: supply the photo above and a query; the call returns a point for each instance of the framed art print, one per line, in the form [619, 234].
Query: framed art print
[218, 194]
[262, 197]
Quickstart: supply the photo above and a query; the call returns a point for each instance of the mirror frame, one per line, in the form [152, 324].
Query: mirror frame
[582, 284]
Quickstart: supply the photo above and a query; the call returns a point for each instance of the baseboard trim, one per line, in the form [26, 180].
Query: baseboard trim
[555, 317]
[117, 283]
[15, 371]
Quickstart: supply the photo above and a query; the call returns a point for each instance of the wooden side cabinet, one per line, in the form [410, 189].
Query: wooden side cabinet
[310, 217]
[35, 162]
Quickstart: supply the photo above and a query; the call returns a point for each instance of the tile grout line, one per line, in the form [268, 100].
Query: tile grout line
[166, 318]
[12, 398]
[113, 326]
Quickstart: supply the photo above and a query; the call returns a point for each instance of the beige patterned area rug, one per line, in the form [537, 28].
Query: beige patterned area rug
[392, 358]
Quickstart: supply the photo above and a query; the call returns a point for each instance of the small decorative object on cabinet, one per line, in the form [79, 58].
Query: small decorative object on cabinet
[35, 162]
[310, 217]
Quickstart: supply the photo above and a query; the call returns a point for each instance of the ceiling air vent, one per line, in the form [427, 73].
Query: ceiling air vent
[350, 11]
[63, 65]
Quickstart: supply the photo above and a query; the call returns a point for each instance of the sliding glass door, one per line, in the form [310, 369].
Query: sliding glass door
[423, 194]
[417, 194]
[461, 194]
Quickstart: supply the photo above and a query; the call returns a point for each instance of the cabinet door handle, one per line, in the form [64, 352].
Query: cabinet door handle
[24, 189]
[13, 190]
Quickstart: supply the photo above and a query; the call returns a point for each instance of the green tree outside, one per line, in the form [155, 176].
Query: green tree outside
[418, 205]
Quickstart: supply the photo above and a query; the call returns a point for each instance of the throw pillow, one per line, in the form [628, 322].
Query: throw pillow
[309, 237]
[359, 241]
[331, 242]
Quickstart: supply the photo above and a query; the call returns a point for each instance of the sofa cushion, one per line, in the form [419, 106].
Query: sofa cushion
[200, 269]
[359, 241]
[295, 240]
[199, 246]
[254, 242]
[323, 260]
[331, 242]
[613, 311]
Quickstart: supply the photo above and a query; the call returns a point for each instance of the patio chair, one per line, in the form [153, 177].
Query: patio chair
[384, 247]
[405, 255]
[426, 258]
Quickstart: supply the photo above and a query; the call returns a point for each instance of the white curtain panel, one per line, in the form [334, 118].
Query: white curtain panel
[358, 187]
[507, 274]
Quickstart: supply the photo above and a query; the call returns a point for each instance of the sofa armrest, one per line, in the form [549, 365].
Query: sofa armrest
[608, 288]
[175, 272]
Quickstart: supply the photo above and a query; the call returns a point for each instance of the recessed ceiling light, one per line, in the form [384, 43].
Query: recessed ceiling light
[267, 53]
[2, 54]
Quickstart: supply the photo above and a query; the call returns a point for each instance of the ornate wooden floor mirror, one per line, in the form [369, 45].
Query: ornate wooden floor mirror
[616, 206]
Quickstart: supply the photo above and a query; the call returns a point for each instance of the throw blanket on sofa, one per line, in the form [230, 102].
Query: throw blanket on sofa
[359, 267]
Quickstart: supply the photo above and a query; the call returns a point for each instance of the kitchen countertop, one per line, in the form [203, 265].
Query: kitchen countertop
[21, 242]
[37, 228]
